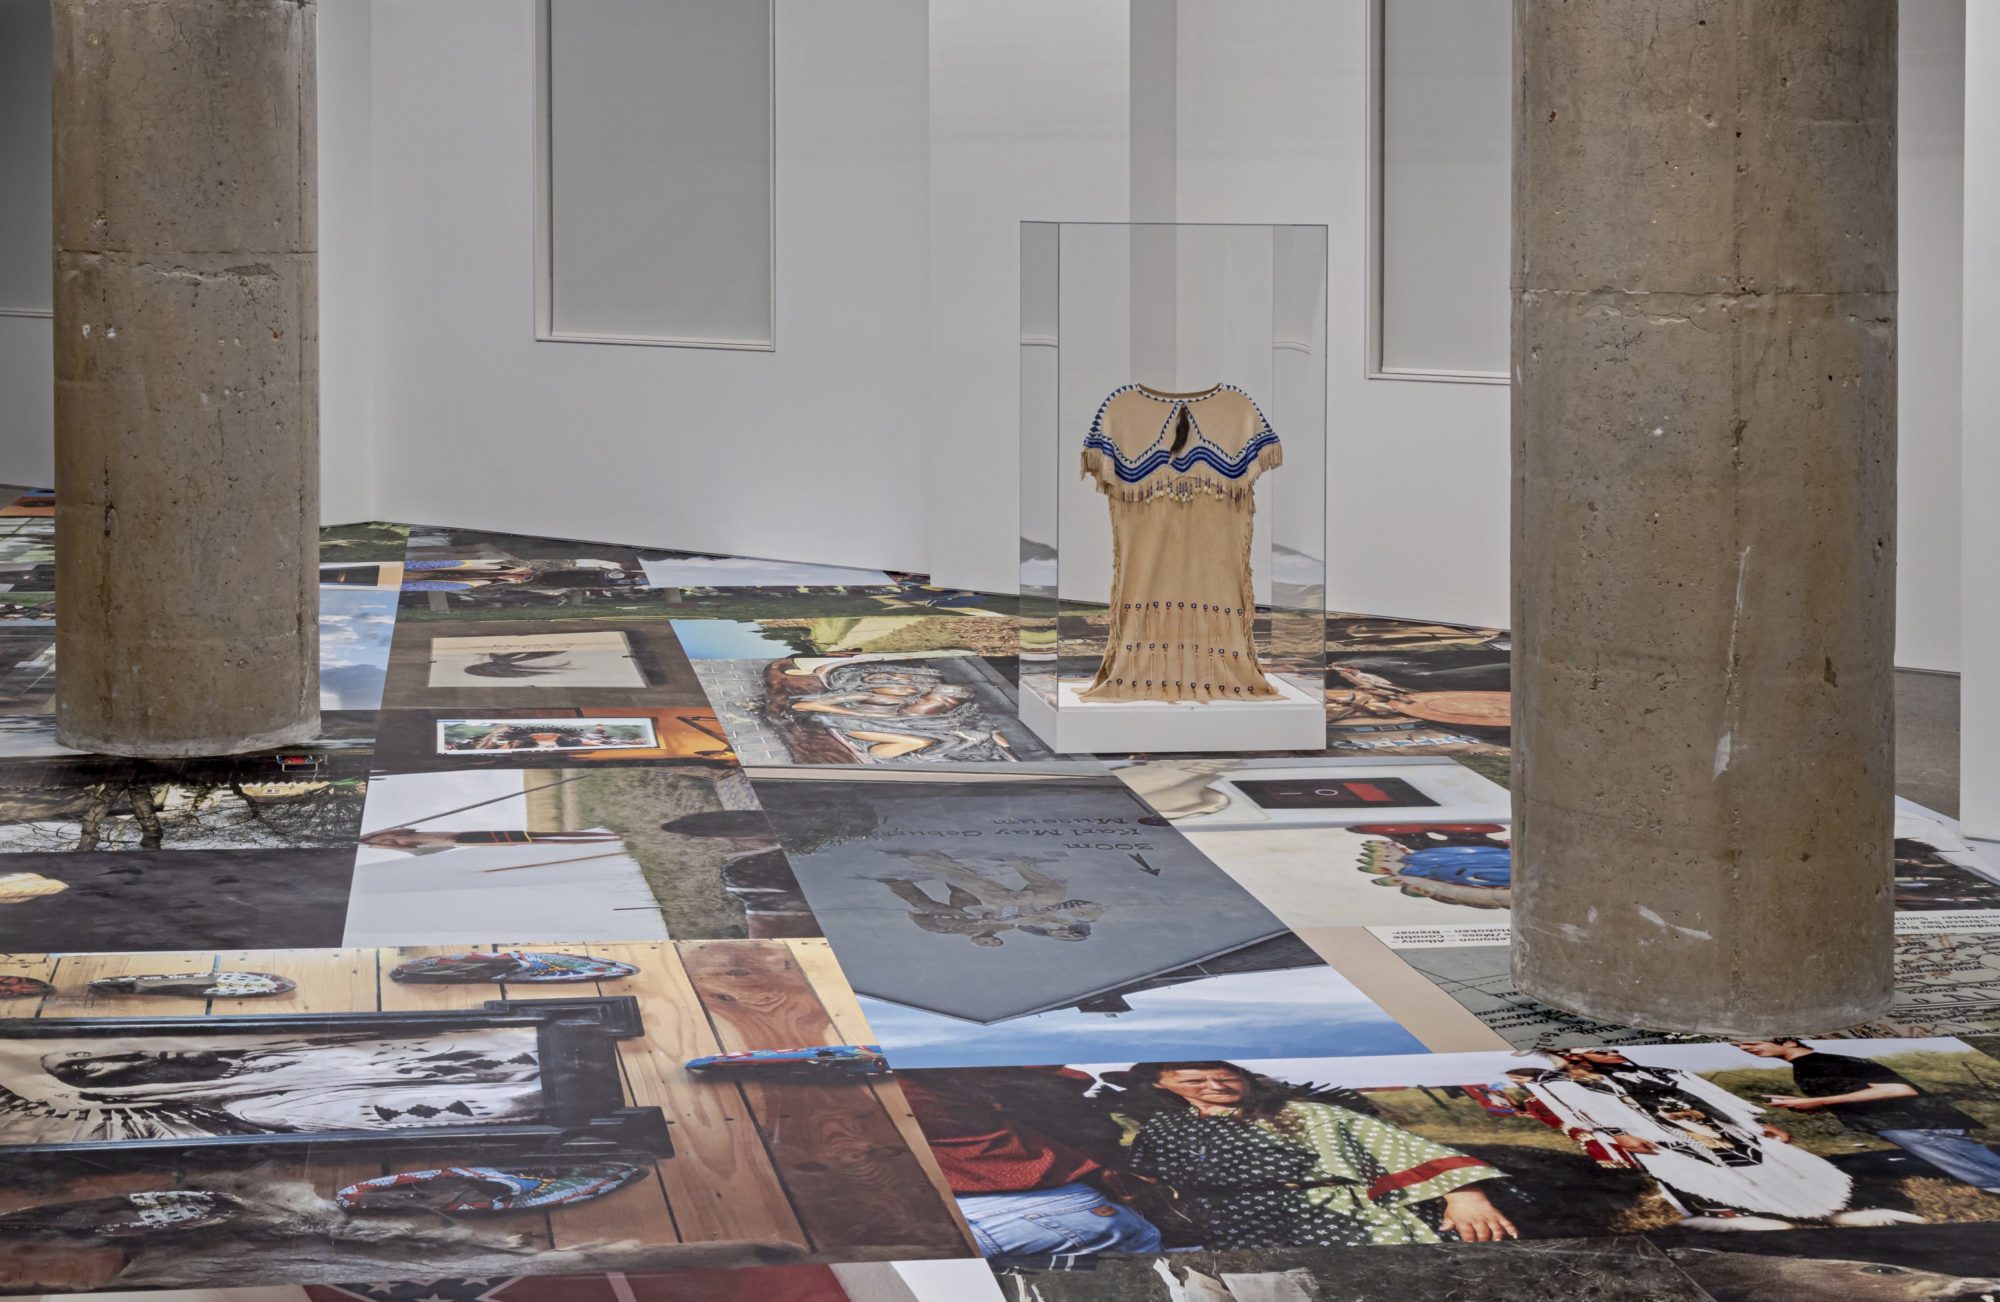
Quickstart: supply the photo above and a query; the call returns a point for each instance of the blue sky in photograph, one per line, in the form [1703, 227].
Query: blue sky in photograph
[728, 639]
[1298, 1013]
[355, 626]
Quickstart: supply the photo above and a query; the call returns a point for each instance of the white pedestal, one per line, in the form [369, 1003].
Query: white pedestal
[1295, 720]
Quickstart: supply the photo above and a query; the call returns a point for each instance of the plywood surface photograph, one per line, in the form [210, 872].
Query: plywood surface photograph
[538, 1089]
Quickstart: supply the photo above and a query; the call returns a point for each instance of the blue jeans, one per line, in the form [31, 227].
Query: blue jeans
[1073, 1218]
[1952, 1153]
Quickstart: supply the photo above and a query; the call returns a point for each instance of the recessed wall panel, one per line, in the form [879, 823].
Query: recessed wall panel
[1444, 113]
[24, 157]
[657, 168]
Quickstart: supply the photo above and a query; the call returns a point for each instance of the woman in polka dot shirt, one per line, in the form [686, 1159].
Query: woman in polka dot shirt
[1261, 1170]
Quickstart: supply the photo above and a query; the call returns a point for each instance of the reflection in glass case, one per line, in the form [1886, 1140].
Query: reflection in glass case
[1173, 486]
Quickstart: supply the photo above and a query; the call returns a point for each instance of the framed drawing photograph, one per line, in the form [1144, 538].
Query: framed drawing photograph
[510, 1075]
[518, 736]
[434, 740]
[590, 659]
[626, 666]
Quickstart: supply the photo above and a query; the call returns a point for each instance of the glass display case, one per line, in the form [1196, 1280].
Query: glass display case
[1173, 486]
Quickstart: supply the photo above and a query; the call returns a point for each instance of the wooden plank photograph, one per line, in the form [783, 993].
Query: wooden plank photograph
[764, 1168]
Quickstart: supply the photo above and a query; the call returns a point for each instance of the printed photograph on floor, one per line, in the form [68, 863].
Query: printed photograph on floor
[1433, 1014]
[906, 598]
[30, 754]
[27, 666]
[513, 737]
[520, 665]
[1260, 793]
[1603, 1269]
[1477, 1148]
[379, 576]
[182, 1120]
[612, 853]
[27, 609]
[127, 900]
[1404, 687]
[1956, 1263]
[422, 741]
[370, 542]
[968, 628]
[1940, 874]
[1328, 843]
[1015, 921]
[471, 577]
[431, 600]
[911, 708]
[963, 1280]
[1947, 983]
[356, 625]
[539, 660]
[302, 800]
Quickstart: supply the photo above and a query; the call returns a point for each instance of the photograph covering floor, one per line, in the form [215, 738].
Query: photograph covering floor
[442, 1006]
[1360, 1151]
[371, 1067]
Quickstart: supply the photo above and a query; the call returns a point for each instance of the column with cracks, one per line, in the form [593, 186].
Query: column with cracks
[1704, 503]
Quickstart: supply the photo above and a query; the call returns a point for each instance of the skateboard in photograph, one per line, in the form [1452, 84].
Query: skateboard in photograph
[837, 1061]
[197, 985]
[457, 1190]
[509, 965]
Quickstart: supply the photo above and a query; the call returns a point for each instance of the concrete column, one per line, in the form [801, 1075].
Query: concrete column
[187, 439]
[1704, 509]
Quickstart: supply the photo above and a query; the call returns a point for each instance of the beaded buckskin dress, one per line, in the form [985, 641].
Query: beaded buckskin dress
[1178, 469]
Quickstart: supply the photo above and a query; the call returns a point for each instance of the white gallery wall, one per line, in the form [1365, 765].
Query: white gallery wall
[27, 399]
[1930, 214]
[814, 451]
[912, 138]
[1417, 472]
[1030, 120]
[1979, 480]
[347, 303]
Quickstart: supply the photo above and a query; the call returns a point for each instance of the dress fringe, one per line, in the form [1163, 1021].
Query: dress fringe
[1180, 655]
[1097, 468]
